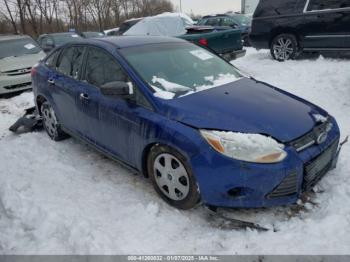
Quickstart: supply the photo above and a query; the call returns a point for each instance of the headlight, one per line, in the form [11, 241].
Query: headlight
[246, 147]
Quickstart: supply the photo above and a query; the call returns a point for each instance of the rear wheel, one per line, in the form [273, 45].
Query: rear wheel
[172, 178]
[284, 47]
[50, 122]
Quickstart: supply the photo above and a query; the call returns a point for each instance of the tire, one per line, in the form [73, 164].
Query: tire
[172, 177]
[51, 123]
[284, 47]
[246, 41]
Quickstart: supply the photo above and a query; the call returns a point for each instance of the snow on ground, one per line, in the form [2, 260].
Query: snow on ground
[65, 198]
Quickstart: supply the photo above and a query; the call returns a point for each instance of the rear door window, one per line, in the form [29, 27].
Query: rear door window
[322, 5]
[300, 6]
[70, 62]
[275, 7]
[215, 21]
[101, 68]
[227, 21]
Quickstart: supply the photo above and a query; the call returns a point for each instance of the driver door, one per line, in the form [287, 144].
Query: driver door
[112, 121]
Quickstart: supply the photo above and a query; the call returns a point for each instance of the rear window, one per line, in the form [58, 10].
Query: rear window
[275, 7]
[321, 5]
[62, 39]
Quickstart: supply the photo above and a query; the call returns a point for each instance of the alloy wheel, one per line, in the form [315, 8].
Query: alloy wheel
[283, 49]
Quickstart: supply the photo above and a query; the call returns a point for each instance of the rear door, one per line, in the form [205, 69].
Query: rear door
[327, 24]
[64, 83]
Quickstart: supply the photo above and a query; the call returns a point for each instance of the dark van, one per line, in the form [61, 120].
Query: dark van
[289, 27]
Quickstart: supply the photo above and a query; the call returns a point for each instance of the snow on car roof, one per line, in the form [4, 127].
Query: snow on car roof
[129, 41]
[166, 24]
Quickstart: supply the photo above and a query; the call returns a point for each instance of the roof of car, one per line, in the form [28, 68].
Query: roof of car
[130, 41]
[62, 33]
[12, 37]
[223, 15]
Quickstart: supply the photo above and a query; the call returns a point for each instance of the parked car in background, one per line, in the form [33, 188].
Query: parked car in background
[18, 53]
[127, 24]
[289, 27]
[111, 32]
[187, 119]
[224, 41]
[233, 20]
[50, 41]
[91, 34]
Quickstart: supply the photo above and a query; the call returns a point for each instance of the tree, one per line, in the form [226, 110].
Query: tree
[35, 17]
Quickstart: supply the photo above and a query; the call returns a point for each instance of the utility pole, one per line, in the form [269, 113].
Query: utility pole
[243, 6]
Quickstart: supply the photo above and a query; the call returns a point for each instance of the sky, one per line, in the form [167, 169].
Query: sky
[204, 7]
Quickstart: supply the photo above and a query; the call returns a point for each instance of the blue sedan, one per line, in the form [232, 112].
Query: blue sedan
[187, 119]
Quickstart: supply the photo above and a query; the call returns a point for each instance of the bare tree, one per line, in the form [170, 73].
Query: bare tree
[39, 16]
[10, 16]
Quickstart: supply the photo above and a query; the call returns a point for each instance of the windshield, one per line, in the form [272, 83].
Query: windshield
[18, 47]
[93, 34]
[243, 20]
[65, 38]
[179, 69]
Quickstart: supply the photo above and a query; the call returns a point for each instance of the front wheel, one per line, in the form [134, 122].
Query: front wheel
[172, 178]
[284, 47]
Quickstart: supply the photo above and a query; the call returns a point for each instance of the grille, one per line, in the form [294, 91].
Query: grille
[288, 187]
[18, 86]
[310, 138]
[17, 72]
[317, 168]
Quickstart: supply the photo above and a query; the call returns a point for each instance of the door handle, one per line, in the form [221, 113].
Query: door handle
[51, 81]
[84, 97]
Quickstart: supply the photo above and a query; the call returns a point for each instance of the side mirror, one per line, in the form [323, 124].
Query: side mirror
[118, 88]
[48, 47]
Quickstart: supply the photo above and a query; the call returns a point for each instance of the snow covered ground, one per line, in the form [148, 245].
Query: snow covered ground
[65, 198]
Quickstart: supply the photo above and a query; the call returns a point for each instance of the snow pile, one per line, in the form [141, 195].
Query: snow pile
[166, 24]
[170, 88]
[65, 198]
[222, 79]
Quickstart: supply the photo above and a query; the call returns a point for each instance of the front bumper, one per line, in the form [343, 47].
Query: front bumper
[224, 182]
[9, 84]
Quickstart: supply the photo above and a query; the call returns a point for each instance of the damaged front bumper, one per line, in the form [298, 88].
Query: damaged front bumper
[225, 182]
[29, 122]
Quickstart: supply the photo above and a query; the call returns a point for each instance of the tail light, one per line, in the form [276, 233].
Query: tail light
[203, 42]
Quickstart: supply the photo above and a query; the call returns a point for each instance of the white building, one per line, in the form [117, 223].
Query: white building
[248, 6]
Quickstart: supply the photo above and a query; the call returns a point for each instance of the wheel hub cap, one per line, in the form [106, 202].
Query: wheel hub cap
[171, 177]
[50, 121]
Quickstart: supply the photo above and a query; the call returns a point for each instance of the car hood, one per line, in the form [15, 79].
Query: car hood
[20, 62]
[246, 106]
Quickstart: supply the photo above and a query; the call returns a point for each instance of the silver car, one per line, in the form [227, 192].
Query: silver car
[18, 53]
